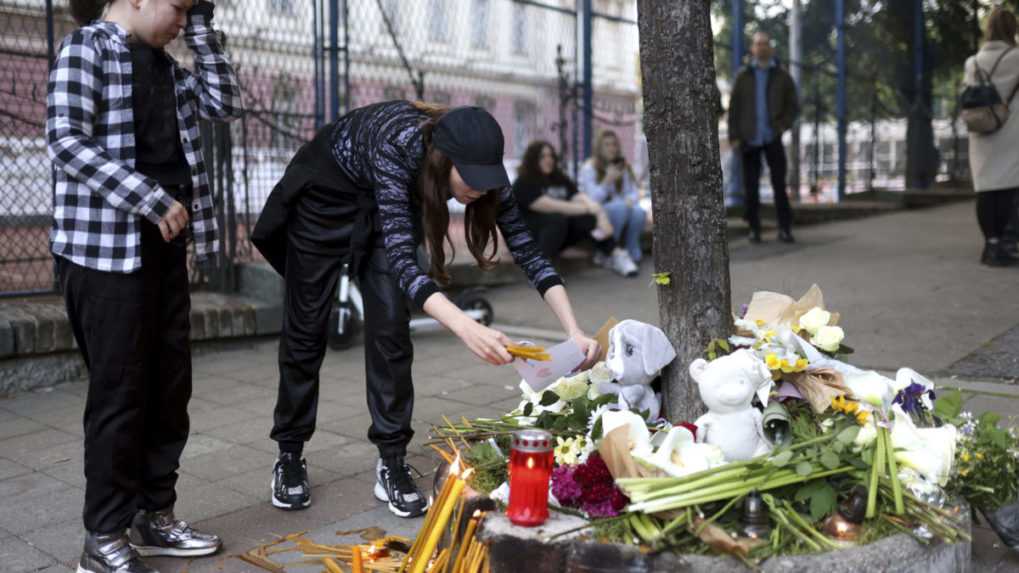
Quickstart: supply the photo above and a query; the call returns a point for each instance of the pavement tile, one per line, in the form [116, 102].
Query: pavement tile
[352, 426]
[60, 568]
[32, 447]
[484, 395]
[62, 541]
[345, 460]
[26, 485]
[40, 401]
[9, 469]
[201, 444]
[12, 426]
[210, 500]
[58, 416]
[20, 557]
[250, 429]
[239, 394]
[52, 456]
[221, 464]
[71, 472]
[206, 415]
[29, 513]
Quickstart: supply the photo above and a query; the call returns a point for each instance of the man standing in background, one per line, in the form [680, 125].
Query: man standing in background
[762, 107]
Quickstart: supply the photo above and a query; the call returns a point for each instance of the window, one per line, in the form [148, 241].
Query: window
[392, 11]
[524, 118]
[479, 24]
[393, 92]
[285, 7]
[519, 29]
[438, 21]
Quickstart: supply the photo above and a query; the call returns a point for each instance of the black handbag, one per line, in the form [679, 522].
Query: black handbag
[982, 109]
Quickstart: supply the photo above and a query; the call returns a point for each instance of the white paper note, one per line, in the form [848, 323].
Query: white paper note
[566, 357]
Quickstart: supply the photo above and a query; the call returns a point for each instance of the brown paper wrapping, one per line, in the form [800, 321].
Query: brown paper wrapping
[776, 309]
[602, 336]
[818, 387]
[615, 451]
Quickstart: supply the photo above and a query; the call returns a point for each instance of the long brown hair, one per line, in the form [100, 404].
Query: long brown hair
[434, 192]
[1001, 26]
[530, 162]
[84, 11]
[601, 165]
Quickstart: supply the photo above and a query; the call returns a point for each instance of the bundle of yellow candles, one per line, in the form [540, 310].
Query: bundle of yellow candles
[464, 554]
[528, 352]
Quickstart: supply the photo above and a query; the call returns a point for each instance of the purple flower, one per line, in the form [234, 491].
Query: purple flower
[564, 487]
[910, 398]
[743, 308]
[601, 508]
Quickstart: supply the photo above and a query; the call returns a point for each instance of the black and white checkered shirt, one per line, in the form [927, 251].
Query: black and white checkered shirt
[99, 197]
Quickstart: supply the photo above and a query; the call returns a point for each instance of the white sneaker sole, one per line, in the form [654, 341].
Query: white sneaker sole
[380, 494]
[83, 570]
[149, 551]
[281, 505]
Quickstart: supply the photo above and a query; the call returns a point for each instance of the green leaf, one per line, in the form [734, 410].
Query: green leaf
[548, 398]
[804, 468]
[604, 400]
[662, 279]
[949, 404]
[724, 344]
[781, 459]
[596, 430]
[821, 496]
[712, 355]
[830, 459]
[528, 409]
[848, 435]
[843, 349]
[868, 456]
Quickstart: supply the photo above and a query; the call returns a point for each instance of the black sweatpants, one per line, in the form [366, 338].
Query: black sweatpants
[556, 231]
[318, 234]
[774, 154]
[133, 332]
[994, 209]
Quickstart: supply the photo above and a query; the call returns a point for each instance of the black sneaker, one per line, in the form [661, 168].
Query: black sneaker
[755, 236]
[786, 237]
[290, 488]
[395, 485]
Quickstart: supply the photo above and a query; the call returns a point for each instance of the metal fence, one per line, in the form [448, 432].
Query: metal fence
[299, 63]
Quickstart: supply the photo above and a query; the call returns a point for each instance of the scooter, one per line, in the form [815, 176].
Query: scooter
[347, 316]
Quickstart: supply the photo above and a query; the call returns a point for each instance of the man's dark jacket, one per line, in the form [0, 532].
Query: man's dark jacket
[782, 104]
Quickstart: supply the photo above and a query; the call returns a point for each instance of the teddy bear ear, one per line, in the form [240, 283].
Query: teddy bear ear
[697, 368]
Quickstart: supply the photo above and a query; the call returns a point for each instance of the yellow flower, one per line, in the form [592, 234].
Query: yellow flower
[980, 456]
[963, 472]
[965, 456]
[769, 334]
[801, 364]
[786, 366]
[862, 416]
[759, 322]
[772, 362]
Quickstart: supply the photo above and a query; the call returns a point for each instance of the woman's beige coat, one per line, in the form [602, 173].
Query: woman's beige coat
[994, 159]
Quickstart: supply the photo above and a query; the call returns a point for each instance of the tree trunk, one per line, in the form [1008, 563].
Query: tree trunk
[681, 123]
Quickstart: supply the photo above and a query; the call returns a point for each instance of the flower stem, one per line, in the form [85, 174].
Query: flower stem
[893, 471]
[875, 473]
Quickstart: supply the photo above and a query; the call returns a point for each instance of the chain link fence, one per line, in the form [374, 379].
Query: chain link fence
[299, 62]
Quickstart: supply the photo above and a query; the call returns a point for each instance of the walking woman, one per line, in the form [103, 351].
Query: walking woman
[368, 189]
[608, 179]
[559, 216]
[993, 161]
[122, 132]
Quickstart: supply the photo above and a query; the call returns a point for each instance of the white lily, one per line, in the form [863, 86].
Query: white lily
[600, 374]
[680, 455]
[638, 436]
[929, 451]
[871, 388]
[534, 398]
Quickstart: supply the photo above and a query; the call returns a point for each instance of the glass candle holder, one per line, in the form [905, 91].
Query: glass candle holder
[530, 468]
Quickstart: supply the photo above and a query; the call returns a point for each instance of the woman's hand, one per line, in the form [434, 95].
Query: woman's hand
[589, 347]
[613, 173]
[174, 221]
[486, 343]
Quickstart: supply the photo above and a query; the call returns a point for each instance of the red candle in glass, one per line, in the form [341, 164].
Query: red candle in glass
[530, 468]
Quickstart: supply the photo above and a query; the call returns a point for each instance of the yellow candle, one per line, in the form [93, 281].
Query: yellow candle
[439, 527]
[466, 543]
[429, 522]
[355, 561]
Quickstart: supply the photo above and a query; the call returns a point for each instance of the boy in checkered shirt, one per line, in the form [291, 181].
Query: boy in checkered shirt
[131, 184]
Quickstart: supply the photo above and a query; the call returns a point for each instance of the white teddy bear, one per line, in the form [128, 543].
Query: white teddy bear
[637, 353]
[727, 386]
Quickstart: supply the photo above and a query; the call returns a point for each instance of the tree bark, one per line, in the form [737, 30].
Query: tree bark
[681, 123]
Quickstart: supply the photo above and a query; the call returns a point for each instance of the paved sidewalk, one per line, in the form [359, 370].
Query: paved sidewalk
[908, 284]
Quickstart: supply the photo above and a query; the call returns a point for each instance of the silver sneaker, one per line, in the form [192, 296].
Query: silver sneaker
[110, 553]
[157, 533]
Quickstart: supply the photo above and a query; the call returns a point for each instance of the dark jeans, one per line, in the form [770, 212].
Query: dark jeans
[132, 330]
[555, 231]
[317, 248]
[994, 209]
[774, 154]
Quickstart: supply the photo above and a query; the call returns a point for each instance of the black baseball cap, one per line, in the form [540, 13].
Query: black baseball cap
[473, 140]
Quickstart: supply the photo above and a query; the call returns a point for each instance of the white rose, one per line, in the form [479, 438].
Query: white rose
[871, 388]
[570, 388]
[828, 338]
[600, 374]
[815, 319]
